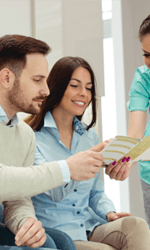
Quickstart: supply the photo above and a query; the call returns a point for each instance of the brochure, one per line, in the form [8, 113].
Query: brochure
[123, 146]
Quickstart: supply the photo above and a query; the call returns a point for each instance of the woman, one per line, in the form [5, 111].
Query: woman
[137, 105]
[78, 208]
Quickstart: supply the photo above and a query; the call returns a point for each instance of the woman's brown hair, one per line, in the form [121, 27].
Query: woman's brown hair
[58, 81]
[144, 28]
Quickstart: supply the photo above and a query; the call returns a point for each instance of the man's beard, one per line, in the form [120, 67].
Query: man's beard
[18, 100]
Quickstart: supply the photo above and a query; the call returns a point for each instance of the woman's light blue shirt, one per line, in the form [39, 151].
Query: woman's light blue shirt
[139, 100]
[67, 208]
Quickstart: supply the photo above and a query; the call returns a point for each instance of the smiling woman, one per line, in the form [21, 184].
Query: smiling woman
[77, 95]
[73, 87]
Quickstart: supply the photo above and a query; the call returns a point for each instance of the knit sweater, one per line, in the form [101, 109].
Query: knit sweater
[18, 183]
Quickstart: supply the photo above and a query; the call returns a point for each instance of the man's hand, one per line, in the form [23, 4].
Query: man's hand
[84, 165]
[111, 216]
[31, 234]
[119, 171]
[99, 147]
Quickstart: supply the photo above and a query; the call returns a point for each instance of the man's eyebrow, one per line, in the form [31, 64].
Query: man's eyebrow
[42, 76]
[79, 80]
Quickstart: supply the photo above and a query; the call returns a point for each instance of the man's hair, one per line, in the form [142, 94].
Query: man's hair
[14, 48]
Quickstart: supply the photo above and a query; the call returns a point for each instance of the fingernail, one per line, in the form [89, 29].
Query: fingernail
[128, 159]
[114, 163]
[123, 159]
[18, 243]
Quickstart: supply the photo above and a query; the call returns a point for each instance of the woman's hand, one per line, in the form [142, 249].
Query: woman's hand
[111, 216]
[119, 171]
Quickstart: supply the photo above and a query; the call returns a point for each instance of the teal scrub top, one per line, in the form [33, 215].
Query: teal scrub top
[139, 100]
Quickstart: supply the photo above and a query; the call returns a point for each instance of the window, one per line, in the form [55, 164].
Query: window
[109, 124]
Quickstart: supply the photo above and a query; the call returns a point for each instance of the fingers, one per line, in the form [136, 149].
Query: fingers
[31, 233]
[96, 155]
[95, 161]
[111, 216]
[123, 214]
[120, 170]
[37, 243]
[110, 168]
[95, 169]
[100, 146]
[84, 165]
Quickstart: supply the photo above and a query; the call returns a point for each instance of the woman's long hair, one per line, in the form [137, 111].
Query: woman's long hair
[58, 81]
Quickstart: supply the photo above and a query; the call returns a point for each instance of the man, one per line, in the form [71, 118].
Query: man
[23, 87]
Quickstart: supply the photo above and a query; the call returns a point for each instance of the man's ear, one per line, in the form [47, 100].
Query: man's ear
[7, 78]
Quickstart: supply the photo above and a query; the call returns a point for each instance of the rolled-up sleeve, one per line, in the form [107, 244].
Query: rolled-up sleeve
[139, 92]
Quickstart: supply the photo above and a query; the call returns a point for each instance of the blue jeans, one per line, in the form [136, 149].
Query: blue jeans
[56, 239]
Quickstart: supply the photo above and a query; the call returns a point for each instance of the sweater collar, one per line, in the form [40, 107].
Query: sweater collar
[4, 119]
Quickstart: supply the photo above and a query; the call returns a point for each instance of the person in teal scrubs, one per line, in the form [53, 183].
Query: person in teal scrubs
[138, 105]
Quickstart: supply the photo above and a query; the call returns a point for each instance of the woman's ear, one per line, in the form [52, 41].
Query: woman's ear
[7, 78]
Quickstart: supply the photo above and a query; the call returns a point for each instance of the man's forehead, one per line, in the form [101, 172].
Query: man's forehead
[35, 57]
[37, 64]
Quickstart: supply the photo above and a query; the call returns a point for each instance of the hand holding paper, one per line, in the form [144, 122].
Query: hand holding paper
[120, 146]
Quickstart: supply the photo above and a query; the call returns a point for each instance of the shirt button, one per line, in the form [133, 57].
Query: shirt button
[78, 212]
[75, 190]
[73, 205]
[81, 225]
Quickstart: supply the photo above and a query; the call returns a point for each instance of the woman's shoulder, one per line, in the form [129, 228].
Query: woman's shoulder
[142, 73]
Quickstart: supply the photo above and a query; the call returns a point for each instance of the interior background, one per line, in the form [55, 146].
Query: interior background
[104, 32]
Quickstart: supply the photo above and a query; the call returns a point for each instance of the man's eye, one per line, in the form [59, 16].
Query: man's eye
[36, 80]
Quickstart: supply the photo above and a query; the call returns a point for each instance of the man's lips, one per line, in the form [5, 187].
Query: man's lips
[39, 100]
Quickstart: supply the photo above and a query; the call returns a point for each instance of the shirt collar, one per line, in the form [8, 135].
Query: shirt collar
[79, 127]
[4, 119]
[49, 122]
[146, 69]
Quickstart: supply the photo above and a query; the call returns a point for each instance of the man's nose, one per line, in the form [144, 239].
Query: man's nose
[45, 90]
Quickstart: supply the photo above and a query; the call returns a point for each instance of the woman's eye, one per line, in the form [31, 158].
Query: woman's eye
[146, 55]
[74, 86]
[89, 89]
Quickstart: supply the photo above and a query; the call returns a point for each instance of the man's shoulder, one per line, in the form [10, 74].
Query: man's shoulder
[24, 128]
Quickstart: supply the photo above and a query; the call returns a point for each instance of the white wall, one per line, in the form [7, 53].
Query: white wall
[15, 17]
